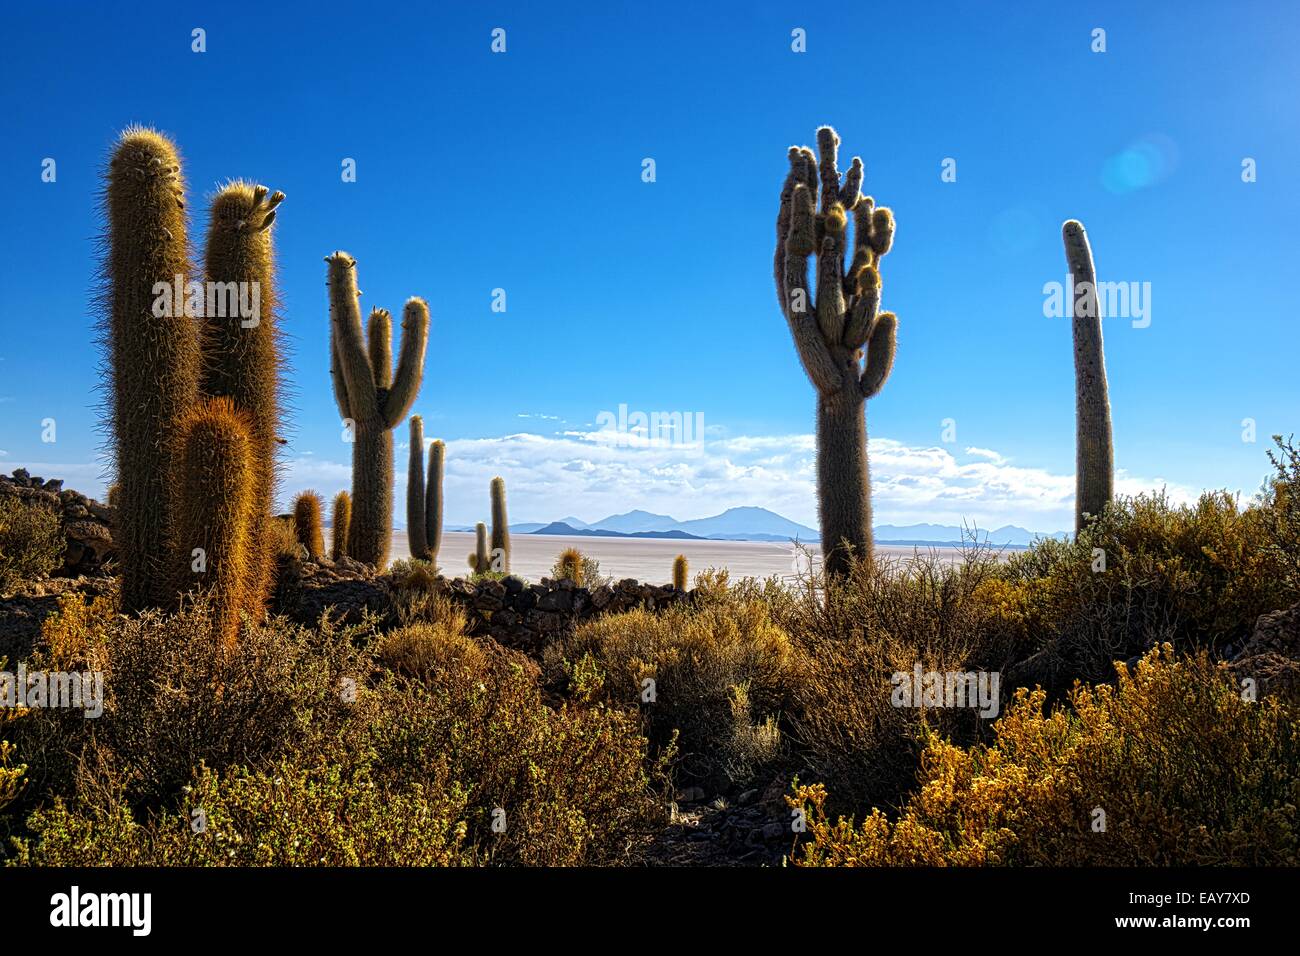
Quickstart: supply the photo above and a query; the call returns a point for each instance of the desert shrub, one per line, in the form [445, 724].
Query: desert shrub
[418, 650]
[67, 632]
[548, 786]
[720, 669]
[175, 699]
[416, 595]
[852, 634]
[11, 772]
[1186, 771]
[285, 815]
[283, 539]
[1280, 508]
[31, 542]
[1195, 575]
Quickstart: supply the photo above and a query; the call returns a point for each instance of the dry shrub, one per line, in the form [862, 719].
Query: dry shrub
[1185, 770]
[66, 635]
[851, 635]
[720, 670]
[416, 594]
[31, 542]
[419, 650]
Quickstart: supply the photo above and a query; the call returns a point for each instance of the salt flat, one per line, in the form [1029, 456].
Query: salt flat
[646, 559]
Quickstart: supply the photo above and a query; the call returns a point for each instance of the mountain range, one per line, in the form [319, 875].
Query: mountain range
[760, 524]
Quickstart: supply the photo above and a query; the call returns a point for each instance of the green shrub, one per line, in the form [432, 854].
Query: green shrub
[1184, 769]
[31, 542]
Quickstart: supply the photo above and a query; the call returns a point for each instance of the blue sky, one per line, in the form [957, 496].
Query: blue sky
[522, 171]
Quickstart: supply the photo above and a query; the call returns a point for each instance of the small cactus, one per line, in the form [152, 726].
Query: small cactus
[415, 497]
[214, 503]
[500, 525]
[373, 398]
[681, 571]
[845, 345]
[307, 524]
[339, 521]
[1094, 466]
[479, 562]
[433, 499]
[154, 361]
[569, 566]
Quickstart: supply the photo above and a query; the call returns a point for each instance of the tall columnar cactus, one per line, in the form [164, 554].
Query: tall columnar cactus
[339, 521]
[433, 499]
[214, 502]
[1094, 465]
[415, 527]
[478, 561]
[241, 348]
[307, 508]
[154, 360]
[681, 570]
[373, 399]
[836, 333]
[500, 527]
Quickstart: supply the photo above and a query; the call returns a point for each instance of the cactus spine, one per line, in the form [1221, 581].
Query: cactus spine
[415, 527]
[373, 399]
[680, 572]
[307, 508]
[214, 505]
[339, 521]
[155, 361]
[479, 559]
[1094, 465]
[846, 346]
[241, 348]
[500, 525]
[433, 499]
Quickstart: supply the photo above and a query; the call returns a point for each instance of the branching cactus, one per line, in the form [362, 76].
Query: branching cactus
[846, 346]
[1094, 465]
[415, 492]
[500, 527]
[372, 399]
[339, 521]
[680, 572]
[307, 508]
[154, 360]
[433, 499]
[214, 504]
[242, 356]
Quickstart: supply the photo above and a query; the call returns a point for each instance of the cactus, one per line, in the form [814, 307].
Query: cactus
[1094, 466]
[214, 502]
[339, 521]
[373, 399]
[500, 525]
[415, 529]
[241, 352]
[680, 572]
[835, 334]
[479, 559]
[154, 360]
[307, 508]
[569, 566]
[433, 500]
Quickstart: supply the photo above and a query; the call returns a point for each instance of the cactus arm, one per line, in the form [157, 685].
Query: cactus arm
[410, 363]
[379, 331]
[813, 352]
[880, 354]
[863, 312]
[336, 374]
[345, 314]
[830, 276]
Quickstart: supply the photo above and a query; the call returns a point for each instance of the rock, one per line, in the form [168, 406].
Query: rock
[773, 831]
[691, 795]
[54, 484]
[1271, 657]
[89, 545]
[748, 797]
[556, 601]
[21, 476]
